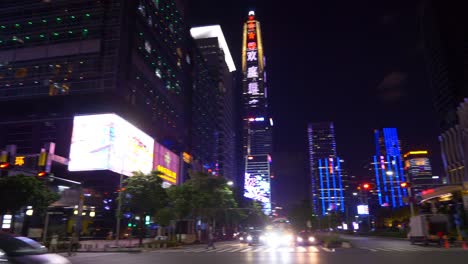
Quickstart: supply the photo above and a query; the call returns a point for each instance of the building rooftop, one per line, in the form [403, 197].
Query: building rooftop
[214, 31]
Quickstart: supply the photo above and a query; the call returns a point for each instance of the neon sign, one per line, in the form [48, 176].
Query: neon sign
[253, 88]
[252, 56]
[252, 72]
[252, 45]
[167, 174]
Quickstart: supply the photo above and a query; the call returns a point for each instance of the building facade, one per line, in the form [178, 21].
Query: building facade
[257, 123]
[454, 145]
[387, 165]
[418, 171]
[212, 44]
[328, 184]
[444, 36]
[77, 57]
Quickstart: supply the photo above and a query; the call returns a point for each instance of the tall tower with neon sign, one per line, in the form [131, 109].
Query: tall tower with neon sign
[257, 123]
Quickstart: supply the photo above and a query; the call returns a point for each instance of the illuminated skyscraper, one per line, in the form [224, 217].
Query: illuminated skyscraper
[257, 139]
[388, 168]
[327, 185]
[418, 171]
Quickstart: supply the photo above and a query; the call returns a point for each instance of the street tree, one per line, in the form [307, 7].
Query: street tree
[144, 195]
[19, 191]
[211, 196]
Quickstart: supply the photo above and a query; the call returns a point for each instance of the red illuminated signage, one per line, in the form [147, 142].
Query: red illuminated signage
[427, 191]
[251, 35]
[251, 45]
[251, 25]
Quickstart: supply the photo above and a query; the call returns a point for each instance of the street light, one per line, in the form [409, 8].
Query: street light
[230, 183]
[407, 186]
[389, 173]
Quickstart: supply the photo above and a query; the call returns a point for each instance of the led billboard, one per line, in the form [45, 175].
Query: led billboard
[108, 142]
[167, 162]
[363, 209]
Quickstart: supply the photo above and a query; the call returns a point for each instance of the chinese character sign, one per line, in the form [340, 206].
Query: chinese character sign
[253, 88]
[252, 72]
[252, 56]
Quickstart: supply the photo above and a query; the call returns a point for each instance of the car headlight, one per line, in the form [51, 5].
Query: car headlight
[299, 239]
[249, 238]
[311, 239]
[241, 238]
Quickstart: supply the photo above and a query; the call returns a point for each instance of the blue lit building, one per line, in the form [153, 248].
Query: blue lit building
[328, 192]
[388, 168]
[331, 195]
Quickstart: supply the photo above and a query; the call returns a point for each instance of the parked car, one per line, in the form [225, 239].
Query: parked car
[18, 249]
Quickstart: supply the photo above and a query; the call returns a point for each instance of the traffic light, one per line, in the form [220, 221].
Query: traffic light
[41, 175]
[405, 185]
[5, 165]
[366, 186]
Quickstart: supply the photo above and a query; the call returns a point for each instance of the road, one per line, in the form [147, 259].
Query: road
[366, 250]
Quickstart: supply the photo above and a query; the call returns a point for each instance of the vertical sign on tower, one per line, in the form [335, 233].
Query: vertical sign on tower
[256, 128]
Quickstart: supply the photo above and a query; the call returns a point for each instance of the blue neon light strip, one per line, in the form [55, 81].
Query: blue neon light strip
[328, 183]
[321, 186]
[376, 169]
[341, 184]
[392, 188]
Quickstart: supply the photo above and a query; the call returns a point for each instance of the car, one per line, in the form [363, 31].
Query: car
[19, 249]
[242, 237]
[255, 237]
[305, 238]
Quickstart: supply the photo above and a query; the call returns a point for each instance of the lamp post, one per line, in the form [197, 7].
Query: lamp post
[119, 211]
[407, 185]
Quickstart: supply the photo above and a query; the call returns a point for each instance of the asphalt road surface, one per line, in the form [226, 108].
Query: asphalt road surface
[366, 250]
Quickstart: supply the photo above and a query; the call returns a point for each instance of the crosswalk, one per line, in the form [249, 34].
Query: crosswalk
[407, 249]
[245, 249]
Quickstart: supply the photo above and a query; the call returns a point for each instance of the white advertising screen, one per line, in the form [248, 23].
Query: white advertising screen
[363, 209]
[108, 142]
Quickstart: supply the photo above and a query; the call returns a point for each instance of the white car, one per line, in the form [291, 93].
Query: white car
[18, 249]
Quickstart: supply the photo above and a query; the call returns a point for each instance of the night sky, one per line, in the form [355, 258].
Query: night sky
[359, 64]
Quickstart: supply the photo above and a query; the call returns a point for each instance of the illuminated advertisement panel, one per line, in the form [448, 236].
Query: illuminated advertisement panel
[166, 162]
[108, 142]
[363, 209]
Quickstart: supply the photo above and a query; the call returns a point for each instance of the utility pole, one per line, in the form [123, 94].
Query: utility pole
[119, 211]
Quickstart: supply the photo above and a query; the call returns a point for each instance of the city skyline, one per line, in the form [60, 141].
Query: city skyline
[323, 79]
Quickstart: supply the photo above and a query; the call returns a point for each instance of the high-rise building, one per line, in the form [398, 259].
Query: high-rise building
[257, 123]
[445, 29]
[454, 145]
[418, 171]
[213, 46]
[327, 183]
[76, 57]
[388, 168]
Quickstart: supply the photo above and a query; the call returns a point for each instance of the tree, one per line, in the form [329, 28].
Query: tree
[144, 195]
[210, 196]
[19, 191]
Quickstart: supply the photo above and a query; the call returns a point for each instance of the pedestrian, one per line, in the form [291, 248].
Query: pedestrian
[210, 239]
[74, 244]
[54, 243]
